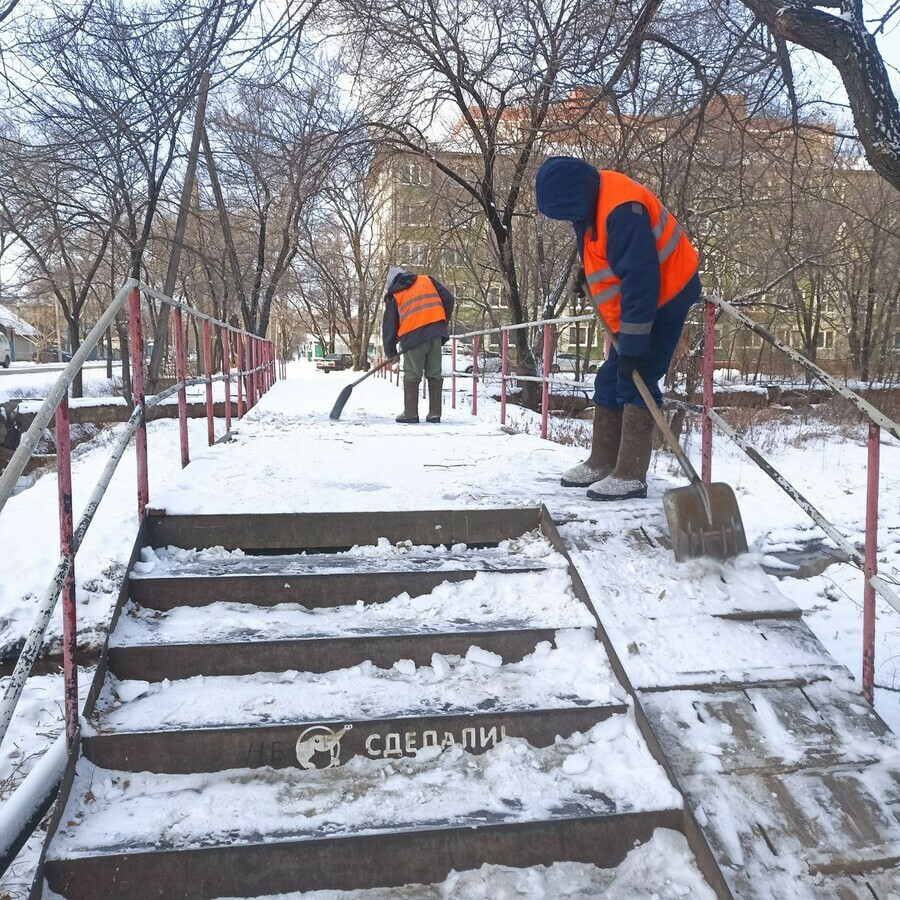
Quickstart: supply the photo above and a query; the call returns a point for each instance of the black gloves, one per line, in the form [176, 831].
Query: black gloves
[628, 365]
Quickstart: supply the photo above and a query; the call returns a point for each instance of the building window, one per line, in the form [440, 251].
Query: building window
[897, 341]
[577, 336]
[413, 255]
[410, 172]
[493, 295]
[413, 214]
[452, 257]
[825, 340]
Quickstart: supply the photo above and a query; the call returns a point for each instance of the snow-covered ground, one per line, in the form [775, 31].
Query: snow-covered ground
[289, 457]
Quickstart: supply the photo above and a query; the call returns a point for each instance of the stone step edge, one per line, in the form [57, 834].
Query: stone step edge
[314, 590]
[377, 859]
[292, 744]
[319, 654]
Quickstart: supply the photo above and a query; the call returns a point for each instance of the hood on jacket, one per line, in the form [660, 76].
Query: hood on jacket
[397, 279]
[567, 188]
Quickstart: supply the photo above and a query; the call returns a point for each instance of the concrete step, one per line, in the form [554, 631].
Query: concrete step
[156, 662]
[317, 744]
[415, 855]
[574, 672]
[341, 531]
[315, 580]
[370, 822]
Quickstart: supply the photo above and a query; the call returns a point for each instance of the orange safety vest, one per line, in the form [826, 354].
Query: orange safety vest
[677, 258]
[418, 305]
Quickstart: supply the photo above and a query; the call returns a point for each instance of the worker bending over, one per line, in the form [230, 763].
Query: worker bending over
[417, 310]
[641, 271]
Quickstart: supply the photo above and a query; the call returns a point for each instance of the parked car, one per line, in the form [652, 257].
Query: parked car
[334, 362]
[488, 360]
[565, 362]
[50, 355]
[5, 353]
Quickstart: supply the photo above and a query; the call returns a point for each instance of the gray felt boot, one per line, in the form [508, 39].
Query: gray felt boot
[434, 400]
[410, 414]
[628, 481]
[604, 450]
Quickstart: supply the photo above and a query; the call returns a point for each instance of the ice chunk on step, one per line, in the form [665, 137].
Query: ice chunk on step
[144, 567]
[405, 667]
[576, 764]
[149, 556]
[484, 657]
[131, 690]
[440, 665]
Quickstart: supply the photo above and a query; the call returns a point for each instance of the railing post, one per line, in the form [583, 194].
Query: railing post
[207, 373]
[251, 377]
[545, 382]
[67, 549]
[239, 345]
[475, 342]
[870, 569]
[504, 371]
[225, 341]
[453, 373]
[709, 366]
[137, 396]
[180, 378]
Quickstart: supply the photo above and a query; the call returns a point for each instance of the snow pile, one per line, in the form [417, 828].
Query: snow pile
[663, 868]
[576, 671]
[489, 600]
[511, 782]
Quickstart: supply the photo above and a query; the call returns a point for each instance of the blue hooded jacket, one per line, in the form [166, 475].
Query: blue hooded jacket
[567, 188]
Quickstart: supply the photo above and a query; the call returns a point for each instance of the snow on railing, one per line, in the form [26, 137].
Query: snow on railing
[865, 561]
[258, 368]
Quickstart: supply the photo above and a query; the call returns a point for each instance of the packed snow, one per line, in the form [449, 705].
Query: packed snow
[304, 462]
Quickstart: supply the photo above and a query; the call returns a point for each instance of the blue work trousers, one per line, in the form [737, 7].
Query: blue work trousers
[613, 390]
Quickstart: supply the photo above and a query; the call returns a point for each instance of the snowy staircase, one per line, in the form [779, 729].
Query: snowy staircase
[350, 701]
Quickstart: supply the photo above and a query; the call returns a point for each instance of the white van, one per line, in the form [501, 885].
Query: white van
[5, 354]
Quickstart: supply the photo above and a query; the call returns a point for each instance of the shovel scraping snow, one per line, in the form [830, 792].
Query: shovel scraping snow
[704, 519]
[344, 395]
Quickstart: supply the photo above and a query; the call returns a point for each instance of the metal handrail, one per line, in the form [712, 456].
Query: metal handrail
[263, 371]
[866, 561]
[876, 416]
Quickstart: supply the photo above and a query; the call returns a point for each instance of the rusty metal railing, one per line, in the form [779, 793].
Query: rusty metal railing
[866, 561]
[257, 370]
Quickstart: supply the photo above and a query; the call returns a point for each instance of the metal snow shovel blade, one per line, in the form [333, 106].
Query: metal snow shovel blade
[344, 395]
[704, 519]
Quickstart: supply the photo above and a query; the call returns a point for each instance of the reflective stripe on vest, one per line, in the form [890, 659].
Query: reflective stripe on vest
[419, 305]
[677, 258]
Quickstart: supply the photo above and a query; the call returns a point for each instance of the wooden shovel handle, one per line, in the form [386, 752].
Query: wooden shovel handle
[656, 412]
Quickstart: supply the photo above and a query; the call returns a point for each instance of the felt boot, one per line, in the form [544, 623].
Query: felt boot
[410, 414]
[604, 450]
[628, 480]
[434, 400]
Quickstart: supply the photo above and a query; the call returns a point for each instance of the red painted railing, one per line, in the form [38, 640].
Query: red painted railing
[16, 815]
[867, 562]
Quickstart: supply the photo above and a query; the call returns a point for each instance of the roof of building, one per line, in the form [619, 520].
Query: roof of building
[8, 319]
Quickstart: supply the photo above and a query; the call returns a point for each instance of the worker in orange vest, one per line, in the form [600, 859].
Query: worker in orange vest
[417, 310]
[641, 271]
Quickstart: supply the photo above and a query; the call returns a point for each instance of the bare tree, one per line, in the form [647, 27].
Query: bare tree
[497, 68]
[845, 40]
[62, 228]
[275, 147]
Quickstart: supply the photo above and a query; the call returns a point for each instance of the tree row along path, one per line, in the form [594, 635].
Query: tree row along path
[359, 655]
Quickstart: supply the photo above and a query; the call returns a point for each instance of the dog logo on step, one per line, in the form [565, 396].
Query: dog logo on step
[320, 740]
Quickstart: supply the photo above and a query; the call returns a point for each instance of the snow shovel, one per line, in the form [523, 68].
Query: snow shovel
[344, 395]
[704, 519]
